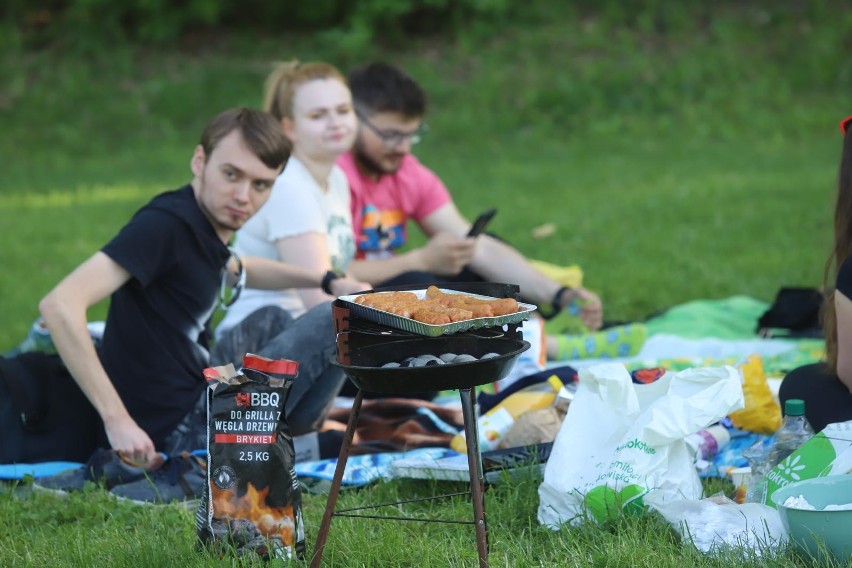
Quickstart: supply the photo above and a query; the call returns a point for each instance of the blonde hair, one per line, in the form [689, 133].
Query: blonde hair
[286, 77]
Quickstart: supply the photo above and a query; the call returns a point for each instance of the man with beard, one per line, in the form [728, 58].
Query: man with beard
[389, 186]
[165, 271]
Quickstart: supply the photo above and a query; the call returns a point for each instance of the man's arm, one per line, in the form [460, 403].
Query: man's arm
[496, 261]
[446, 252]
[268, 274]
[65, 312]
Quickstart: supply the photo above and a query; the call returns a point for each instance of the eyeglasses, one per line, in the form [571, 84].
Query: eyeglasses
[844, 124]
[393, 138]
[229, 293]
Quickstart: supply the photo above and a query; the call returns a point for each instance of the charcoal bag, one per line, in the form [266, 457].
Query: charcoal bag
[252, 501]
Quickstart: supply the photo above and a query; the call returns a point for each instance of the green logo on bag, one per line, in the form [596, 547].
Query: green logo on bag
[638, 444]
[805, 463]
[605, 503]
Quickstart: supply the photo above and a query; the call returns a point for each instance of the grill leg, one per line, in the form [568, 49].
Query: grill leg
[477, 479]
[322, 535]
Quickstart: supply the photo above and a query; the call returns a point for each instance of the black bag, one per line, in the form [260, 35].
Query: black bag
[794, 313]
[252, 501]
[44, 416]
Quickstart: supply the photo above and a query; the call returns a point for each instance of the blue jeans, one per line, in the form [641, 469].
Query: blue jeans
[309, 339]
[272, 332]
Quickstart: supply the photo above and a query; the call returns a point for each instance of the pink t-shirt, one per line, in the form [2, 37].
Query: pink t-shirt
[381, 208]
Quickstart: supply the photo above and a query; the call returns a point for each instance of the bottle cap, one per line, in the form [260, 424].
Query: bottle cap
[794, 407]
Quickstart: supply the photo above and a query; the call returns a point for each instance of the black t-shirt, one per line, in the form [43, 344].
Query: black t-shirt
[844, 278]
[156, 337]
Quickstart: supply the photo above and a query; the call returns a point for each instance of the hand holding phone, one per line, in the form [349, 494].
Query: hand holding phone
[481, 222]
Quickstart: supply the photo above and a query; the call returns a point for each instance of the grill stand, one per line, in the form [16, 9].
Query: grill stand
[356, 333]
[477, 482]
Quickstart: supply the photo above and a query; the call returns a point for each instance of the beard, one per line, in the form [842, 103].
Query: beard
[221, 223]
[367, 163]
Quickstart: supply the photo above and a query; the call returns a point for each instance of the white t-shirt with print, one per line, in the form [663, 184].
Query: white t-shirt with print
[297, 205]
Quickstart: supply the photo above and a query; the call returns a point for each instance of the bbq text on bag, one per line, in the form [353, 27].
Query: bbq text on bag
[252, 502]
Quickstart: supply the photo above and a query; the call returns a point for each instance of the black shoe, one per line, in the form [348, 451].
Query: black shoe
[181, 478]
[104, 466]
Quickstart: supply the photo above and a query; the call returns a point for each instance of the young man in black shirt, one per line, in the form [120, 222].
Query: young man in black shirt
[163, 272]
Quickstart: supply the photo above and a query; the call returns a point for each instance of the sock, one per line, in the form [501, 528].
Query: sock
[619, 341]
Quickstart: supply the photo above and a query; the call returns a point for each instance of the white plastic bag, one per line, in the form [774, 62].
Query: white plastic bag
[715, 524]
[621, 441]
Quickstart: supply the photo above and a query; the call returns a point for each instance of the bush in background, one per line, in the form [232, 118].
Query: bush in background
[96, 23]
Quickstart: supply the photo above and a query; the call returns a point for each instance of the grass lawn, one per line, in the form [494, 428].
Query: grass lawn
[699, 162]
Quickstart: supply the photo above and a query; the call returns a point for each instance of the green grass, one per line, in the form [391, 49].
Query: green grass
[690, 157]
[90, 529]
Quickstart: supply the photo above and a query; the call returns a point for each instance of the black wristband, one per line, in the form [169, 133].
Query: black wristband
[325, 285]
[556, 303]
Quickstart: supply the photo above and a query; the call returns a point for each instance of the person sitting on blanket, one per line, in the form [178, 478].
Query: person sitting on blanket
[306, 221]
[165, 272]
[389, 186]
[826, 387]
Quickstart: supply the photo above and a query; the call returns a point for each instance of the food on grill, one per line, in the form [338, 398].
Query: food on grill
[480, 306]
[437, 314]
[397, 303]
[438, 307]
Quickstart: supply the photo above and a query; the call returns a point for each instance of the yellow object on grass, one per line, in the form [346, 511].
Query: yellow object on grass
[571, 275]
[761, 414]
[494, 424]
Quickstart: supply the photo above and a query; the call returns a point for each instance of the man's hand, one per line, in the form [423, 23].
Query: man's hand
[346, 285]
[589, 305]
[127, 437]
[446, 254]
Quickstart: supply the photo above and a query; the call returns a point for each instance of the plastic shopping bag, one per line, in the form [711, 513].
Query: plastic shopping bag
[621, 441]
[717, 524]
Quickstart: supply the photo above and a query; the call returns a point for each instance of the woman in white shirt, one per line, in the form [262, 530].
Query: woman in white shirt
[306, 220]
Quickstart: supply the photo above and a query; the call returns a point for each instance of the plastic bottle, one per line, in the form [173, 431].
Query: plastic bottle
[38, 339]
[708, 442]
[494, 424]
[758, 460]
[795, 430]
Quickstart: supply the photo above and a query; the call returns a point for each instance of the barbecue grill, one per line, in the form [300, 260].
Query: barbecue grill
[365, 343]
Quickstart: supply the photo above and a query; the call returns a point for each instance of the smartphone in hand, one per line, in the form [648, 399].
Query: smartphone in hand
[481, 222]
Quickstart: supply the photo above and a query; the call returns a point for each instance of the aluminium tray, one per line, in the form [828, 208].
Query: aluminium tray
[407, 324]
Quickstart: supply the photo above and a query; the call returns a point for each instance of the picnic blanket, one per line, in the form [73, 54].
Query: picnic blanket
[698, 333]
[712, 333]
[400, 424]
